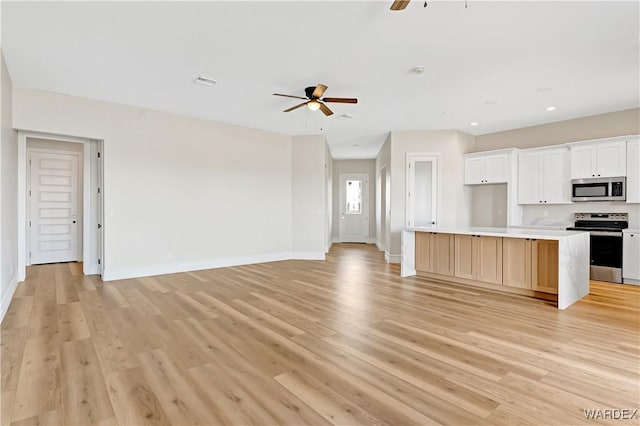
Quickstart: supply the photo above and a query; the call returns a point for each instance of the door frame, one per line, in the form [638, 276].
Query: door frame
[365, 203]
[80, 156]
[435, 173]
[89, 217]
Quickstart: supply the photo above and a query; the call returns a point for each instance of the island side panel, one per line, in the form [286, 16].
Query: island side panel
[573, 280]
[408, 265]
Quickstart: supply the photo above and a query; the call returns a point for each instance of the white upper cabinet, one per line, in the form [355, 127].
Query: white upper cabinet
[633, 171]
[543, 176]
[490, 168]
[599, 159]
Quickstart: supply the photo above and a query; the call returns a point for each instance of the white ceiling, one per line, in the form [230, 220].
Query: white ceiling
[148, 54]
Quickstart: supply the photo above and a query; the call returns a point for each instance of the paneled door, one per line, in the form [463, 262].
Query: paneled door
[354, 207]
[53, 202]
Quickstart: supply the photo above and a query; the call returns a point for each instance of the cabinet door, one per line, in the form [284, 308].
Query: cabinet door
[496, 168]
[556, 181]
[633, 171]
[442, 253]
[611, 159]
[465, 250]
[473, 170]
[529, 178]
[423, 251]
[544, 266]
[631, 255]
[516, 265]
[489, 259]
[583, 161]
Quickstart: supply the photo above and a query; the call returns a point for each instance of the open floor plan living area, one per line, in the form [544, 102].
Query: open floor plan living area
[366, 212]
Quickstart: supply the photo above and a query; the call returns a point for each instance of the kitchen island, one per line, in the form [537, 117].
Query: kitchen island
[547, 264]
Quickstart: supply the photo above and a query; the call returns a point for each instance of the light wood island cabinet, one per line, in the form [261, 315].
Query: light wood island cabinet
[531, 264]
[546, 264]
[516, 265]
[434, 252]
[478, 258]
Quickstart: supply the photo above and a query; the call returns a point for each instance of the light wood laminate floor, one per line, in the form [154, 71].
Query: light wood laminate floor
[345, 341]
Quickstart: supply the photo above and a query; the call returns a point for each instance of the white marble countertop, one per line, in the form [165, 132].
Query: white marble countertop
[541, 234]
[631, 231]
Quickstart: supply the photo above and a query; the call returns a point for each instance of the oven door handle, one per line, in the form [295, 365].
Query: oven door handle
[605, 234]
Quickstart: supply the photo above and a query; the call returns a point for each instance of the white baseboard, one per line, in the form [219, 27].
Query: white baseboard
[631, 281]
[6, 299]
[392, 258]
[111, 274]
[380, 246]
[336, 240]
[371, 240]
[306, 255]
[328, 247]
[91, 269]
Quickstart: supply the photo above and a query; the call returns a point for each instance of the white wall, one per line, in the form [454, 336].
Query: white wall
[180, 193]
[8, 194]
[383, 195]
[453, 197]
[354, 166]
[620, 123]
[328, 196]
[308, 196]
[489, 205]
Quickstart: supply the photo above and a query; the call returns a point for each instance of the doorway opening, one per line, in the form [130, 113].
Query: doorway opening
[59, 201]
[422, 185]
[354, 207]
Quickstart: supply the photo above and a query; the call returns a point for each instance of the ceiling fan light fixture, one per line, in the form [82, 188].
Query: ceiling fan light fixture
[313, 105]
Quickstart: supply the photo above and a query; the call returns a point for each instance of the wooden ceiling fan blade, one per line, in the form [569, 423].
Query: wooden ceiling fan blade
[319, 91]
[325, 109]
[288, 96]
[400, 4]
[296, 107]
[341, 100]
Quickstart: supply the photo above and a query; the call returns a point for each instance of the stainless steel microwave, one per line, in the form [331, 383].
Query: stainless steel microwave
[599, 189]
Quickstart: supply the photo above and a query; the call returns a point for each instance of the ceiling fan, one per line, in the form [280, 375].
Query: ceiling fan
[314, 99]
[400, 4]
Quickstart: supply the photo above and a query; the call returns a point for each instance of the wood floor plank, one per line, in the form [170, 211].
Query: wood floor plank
[72, 323]
[39, 384]
[84, 395]
[179, 399]
[340, 341]
[133, 400]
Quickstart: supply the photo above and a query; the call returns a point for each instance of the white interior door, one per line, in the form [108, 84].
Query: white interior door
[354, 207]
[53, 201]
[422, 184]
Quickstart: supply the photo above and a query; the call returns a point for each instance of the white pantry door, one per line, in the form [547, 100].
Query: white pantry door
[422, 184]
[53, 197]
[354, 207]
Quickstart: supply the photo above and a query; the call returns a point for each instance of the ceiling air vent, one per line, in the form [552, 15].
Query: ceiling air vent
[206, 81]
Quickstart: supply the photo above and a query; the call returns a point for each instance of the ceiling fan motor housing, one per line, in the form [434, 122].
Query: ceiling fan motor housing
[309, 92]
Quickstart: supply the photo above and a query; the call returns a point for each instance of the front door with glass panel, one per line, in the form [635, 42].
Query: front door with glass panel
[354, 207]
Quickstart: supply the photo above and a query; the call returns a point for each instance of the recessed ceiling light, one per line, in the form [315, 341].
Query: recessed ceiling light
[475, 123]
[355, 144]
[551, 108]
[491, 102]
[543, 89]
[418, 70]
[206, 81]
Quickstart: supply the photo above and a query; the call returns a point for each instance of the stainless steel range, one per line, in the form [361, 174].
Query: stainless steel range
[606, 243]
